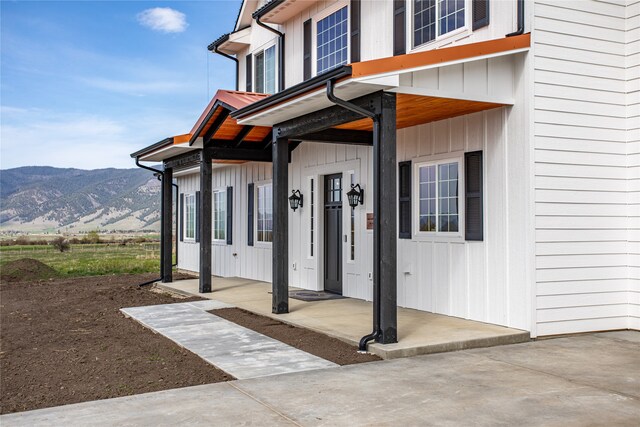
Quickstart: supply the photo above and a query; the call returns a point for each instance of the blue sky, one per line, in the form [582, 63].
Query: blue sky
[84, 84]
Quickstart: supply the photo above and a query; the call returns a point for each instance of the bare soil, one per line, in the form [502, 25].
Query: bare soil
[65, 341]
[318, 344]
[26, 269]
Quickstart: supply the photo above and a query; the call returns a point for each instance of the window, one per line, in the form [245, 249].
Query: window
[265, 213]
[352, 249]
[265, 70]
[332, 40]
[438, 198]
[312, 219]
[434, 18]
[190, 215]
[220, 215]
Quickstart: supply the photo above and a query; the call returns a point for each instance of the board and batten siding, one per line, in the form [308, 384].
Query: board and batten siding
[488, 280]
[585, 221]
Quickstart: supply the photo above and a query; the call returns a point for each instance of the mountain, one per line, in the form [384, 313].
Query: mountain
[43, 198]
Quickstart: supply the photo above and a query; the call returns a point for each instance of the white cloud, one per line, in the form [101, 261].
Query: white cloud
[135, 88]
[163, 19]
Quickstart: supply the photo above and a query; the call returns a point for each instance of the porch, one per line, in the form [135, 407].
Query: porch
[349, 319]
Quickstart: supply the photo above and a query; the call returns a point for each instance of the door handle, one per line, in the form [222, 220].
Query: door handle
[345, 238]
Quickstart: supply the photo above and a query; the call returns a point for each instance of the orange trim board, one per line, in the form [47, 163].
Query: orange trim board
[180, 139]
[437, 56]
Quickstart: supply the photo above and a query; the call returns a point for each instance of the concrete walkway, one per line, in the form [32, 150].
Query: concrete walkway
[236, 350]
[350, 319]
[576, 381]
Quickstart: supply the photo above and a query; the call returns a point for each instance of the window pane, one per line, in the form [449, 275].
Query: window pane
[270, 70]
[331, 41]
[259, 72]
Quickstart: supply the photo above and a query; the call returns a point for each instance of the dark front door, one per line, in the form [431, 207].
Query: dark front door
[333, 233]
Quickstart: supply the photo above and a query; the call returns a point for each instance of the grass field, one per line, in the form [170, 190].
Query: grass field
[90, 260]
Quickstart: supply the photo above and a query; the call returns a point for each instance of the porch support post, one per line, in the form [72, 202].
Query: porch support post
[167, 225]
[384, 212]
[206, 185]
[280, 245]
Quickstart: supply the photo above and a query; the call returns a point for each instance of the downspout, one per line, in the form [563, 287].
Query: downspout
[280, 51]
[520, 29]
[215, 50]
[158, 174]
[362, 347]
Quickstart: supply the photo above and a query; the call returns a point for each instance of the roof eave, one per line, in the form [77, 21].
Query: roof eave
[153, 147]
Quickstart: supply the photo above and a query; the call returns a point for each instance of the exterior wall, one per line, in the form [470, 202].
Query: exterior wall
[633, 157]
[585, 214]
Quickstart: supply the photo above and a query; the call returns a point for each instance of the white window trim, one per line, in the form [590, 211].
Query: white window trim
[272, 43]
[213, 217]
[256, 242]
[415, 198]
[314, 31]
[186, 238]
[463, 31]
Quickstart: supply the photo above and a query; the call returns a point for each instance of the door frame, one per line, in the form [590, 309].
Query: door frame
[317, 261]
[340, 243]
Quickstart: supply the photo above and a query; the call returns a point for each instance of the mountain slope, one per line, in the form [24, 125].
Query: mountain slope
[39, 198]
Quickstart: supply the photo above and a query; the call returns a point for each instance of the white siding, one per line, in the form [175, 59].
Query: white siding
[583, 218]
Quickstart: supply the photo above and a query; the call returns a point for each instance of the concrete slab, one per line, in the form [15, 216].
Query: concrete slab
[236, 350]
[350, 319]
[482, 387]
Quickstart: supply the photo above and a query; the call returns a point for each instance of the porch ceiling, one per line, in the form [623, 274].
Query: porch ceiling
[413, 110]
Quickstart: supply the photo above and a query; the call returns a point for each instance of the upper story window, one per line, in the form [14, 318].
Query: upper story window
[332, 40]
[220, 215]
[190, 216]
[438, 209]
[265, 70]
[435, 18]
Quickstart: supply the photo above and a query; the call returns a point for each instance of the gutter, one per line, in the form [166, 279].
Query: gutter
[293, 91]
[213, 47]
[259, 14]
[150, 149]
[362, 346]
[520, 29]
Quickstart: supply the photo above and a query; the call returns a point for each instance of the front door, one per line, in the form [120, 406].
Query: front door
[333, 233]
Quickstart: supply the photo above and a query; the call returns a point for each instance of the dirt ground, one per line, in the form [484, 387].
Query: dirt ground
[312, 342]
[64, 341]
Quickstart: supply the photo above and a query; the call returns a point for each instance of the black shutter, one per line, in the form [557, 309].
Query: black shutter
[480, 13]
[250, 214]
[404, 199]
[181, 213]
[473, 229]
[306, 52]
[399, 27]
[249, 72]
[355, 30]
[197, 230]
[229, 215]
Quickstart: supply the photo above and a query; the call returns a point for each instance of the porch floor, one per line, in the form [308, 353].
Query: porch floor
[349, 319]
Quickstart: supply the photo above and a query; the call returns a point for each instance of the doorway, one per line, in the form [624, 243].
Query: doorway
[333, 233]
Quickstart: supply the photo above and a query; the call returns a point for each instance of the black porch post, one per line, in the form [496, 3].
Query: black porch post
[204, 221]
[167, 225]
[280, 245]
[384, 212]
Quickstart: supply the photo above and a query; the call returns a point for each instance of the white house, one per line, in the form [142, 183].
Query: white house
[497, 144]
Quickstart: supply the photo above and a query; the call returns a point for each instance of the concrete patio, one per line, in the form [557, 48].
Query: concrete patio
[349, 319]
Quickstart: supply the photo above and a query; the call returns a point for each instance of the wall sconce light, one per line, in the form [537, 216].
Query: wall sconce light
[355, 196]
[295, 200]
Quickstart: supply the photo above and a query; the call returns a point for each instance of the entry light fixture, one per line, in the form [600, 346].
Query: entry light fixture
[295, 200]
[355, 196]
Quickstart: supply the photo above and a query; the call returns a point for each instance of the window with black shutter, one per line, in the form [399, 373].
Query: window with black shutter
[197, 216]
[355, 30]
[250, 200]
[306, 46]
[399, 27]
[404, 200]
[473, 196]
[229, 215]
[480, 13]
[249, 72]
